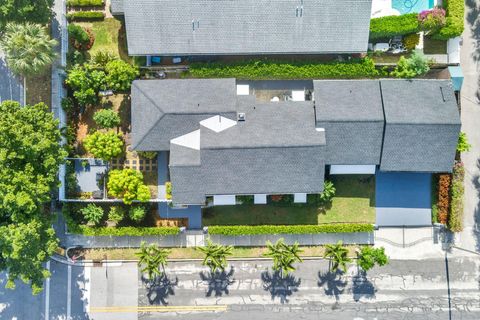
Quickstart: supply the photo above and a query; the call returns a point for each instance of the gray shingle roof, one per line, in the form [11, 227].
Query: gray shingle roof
[351, 112]
[116, 7]
[249, 171]
[163, 110]
[269, 124]
[192, 27]
[422, 125]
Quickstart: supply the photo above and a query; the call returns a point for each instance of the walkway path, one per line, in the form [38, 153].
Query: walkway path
[11, 87]
[470, 56]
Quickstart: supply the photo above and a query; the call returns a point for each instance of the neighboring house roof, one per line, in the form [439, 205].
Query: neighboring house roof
[422, 125]
[215, 27]
[116, 7]
[351, 113]
[165, 110]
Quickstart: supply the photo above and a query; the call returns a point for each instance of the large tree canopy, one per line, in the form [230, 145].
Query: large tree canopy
[30, 155]
[37, 11]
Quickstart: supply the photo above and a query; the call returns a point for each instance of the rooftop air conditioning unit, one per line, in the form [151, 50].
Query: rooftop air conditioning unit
[241, 116]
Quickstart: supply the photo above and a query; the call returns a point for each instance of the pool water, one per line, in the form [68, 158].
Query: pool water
[409, 6]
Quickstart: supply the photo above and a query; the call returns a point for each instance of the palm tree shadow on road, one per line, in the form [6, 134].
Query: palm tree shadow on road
[218, 282]
[278, 286]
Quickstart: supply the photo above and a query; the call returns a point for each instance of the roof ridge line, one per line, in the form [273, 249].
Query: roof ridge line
[155, 123]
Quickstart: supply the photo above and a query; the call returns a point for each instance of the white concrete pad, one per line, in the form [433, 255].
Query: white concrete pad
[224, 200]
[260, 199]
[403, 216]
[298, 95]
[243, 89]
[300, 198]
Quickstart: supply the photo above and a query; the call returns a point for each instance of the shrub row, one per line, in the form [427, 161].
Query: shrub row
[294, 229]
[271, 69]
[454, 24]
[124, 231]
[390, 26]
[85, 16]
[455, 219]
[444, 181]
[85, 3]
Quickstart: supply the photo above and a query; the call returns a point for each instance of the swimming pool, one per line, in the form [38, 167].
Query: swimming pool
[409, 6]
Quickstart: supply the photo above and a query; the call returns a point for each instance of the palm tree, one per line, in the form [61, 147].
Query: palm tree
[215, 255]
[151, 258]
[28, 48]
[338, 255]
[284, 256]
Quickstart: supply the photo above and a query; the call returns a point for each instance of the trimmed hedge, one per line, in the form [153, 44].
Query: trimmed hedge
[390, 26]
[293, 229]
[454, 25]
[85, 16]
[85, 3]
[124, 231]
[455, 219]
[271, 69]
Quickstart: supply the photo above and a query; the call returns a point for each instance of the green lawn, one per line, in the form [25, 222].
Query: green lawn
[110, 36]
[354, 203]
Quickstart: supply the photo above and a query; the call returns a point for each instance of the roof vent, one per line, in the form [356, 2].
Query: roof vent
[241, 116]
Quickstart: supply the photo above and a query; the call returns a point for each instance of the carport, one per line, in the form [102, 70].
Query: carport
[403, 199]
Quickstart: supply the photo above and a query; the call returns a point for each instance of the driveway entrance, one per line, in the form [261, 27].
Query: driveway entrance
[403, 199]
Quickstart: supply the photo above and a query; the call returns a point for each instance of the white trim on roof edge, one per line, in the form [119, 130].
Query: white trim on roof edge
[352, 169]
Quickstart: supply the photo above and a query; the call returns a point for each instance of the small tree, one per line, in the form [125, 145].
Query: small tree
[338, 255]
[151, 258]
[107, 119]
[92, 213]
[215, 255]
[137, 214]
[120, 75]
[25, 10]
[369, 256]
[284, 256]
[328, 191]
[116, 214]
[414, 66]
[128, 185]
[28, 48]
[104, 145]
[86, 82]
[463, 145]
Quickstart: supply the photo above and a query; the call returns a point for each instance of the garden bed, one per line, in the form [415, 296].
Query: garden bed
[39, 89]
[432, 46]
[354, 202]
[152, 224]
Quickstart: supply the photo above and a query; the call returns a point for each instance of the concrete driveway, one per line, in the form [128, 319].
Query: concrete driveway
[11, 87]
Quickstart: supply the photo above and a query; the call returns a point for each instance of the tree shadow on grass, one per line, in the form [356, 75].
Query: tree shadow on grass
[160, 289]
[218, 282]
[281, 287]
[332, 283]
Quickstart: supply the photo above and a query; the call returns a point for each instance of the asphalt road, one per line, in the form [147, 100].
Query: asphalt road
[11, 87]
[405, 289]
